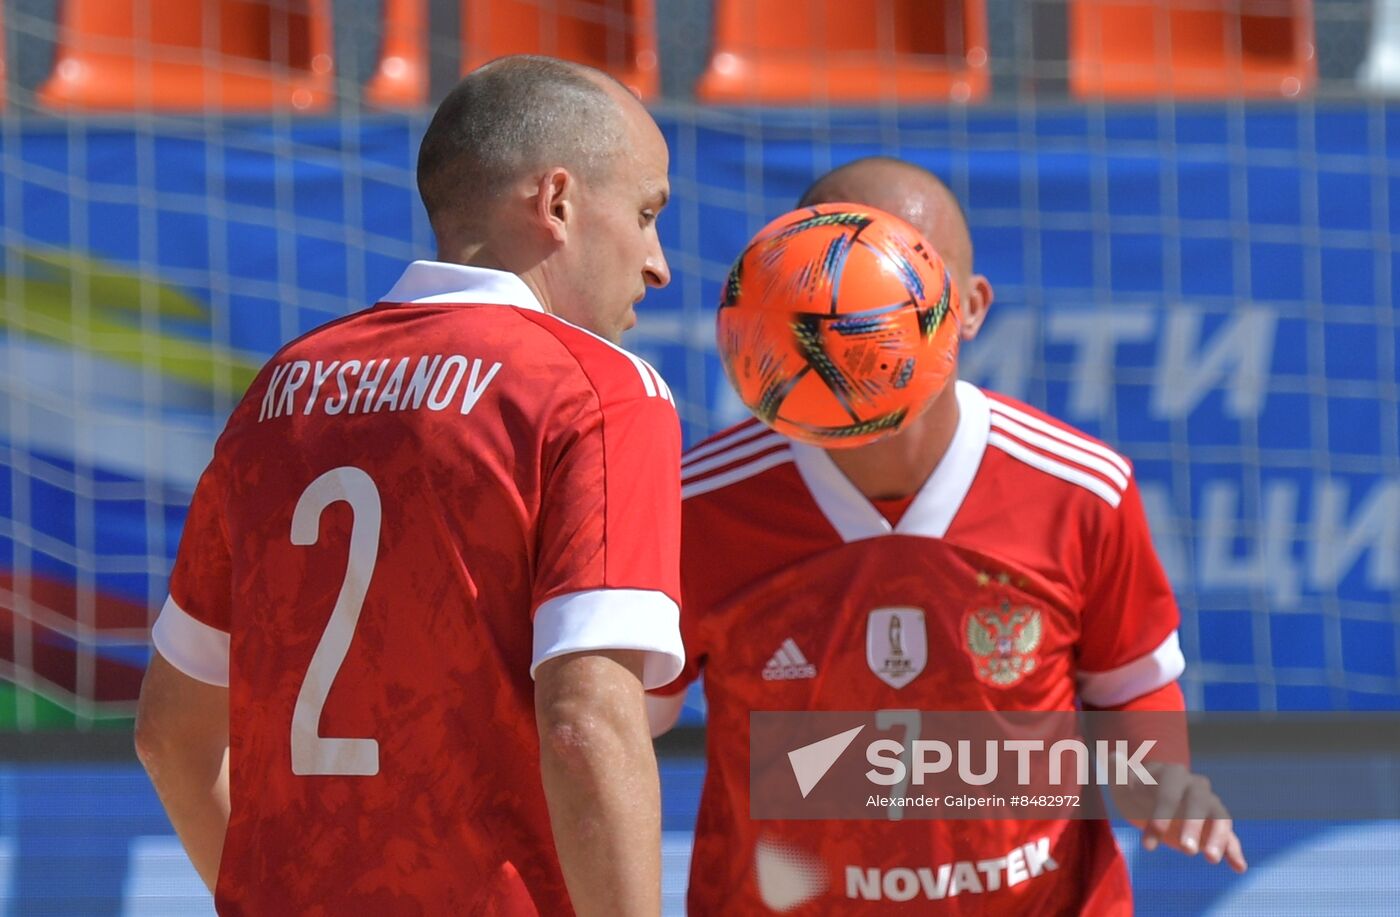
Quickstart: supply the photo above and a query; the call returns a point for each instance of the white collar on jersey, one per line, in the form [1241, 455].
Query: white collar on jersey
[437, 281]
[936, 503]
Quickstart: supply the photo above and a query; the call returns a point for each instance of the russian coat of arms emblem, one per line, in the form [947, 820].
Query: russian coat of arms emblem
[1002, 642]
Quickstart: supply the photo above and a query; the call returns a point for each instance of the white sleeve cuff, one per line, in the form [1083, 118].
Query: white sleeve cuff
[1143, 675]
[193, 647]
[613, 619]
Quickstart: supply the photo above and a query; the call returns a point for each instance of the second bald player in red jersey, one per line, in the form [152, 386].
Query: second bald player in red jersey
[475, 487]
[1020, 577]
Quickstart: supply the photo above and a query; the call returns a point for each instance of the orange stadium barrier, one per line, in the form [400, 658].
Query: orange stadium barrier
[401, 79]
[1191, 48]
[192, 54]
[803, 51]
[616, 36]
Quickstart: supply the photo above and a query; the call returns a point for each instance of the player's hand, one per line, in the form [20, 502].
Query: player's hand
[1185, 815]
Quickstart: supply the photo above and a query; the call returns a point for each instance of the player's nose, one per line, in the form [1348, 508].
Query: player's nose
[656, 271]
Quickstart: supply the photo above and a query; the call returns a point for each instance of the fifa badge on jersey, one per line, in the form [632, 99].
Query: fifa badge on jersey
[1003, 642]
[896, 644]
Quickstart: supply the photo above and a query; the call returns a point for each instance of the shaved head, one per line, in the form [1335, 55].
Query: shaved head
[908, 191]
[511, 118]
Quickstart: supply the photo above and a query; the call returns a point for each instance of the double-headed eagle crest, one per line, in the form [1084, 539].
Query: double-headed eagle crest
[1003, 643]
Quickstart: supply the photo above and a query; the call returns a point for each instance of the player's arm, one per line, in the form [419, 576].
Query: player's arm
[698, 571]
[664, 705]
[182, 719]
[1180, 810]
[182, 741]
[1130, 660]
[606, 621]
[663, 711]
[1187, 816]
[600, 780]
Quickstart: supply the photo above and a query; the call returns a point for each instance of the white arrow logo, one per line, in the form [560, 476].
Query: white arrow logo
[811, 762]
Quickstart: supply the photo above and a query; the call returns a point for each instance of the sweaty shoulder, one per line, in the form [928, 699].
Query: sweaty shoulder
[615, 374]
[1053, 454]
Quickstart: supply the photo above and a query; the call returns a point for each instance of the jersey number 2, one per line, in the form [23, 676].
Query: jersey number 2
[312, 754]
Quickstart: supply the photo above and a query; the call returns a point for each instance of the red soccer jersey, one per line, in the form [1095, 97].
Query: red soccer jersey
[800, 595]
[410, 510]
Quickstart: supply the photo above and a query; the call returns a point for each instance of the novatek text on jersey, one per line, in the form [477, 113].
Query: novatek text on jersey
[976, 877]
[437, 382]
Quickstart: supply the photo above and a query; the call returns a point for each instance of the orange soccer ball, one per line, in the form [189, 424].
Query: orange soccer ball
[838, 325]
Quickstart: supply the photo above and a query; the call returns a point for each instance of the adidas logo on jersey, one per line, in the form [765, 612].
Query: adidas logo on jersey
[788, 663]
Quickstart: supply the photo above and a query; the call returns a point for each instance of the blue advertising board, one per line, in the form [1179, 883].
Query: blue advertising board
[92, 841]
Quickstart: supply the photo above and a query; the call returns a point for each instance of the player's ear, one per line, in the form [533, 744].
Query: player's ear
[554, 203]
[976, 304]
